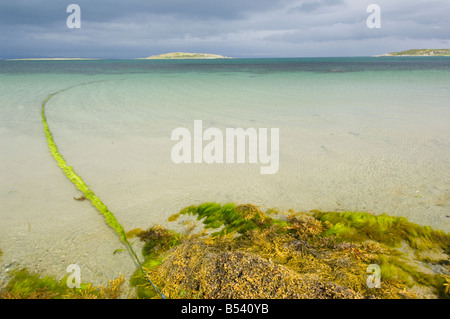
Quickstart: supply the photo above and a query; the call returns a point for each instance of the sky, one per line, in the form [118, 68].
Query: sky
[121, 29]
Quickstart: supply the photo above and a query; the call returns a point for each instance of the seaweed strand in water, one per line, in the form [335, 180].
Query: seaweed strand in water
[81, 185]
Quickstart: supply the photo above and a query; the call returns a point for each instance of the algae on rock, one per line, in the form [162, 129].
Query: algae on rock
[304, 255]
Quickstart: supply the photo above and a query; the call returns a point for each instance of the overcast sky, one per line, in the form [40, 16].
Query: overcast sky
[235, 28]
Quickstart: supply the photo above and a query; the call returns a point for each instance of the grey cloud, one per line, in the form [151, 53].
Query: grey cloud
[136, 28]
[310, 6]
[39, 13]
[46, 12]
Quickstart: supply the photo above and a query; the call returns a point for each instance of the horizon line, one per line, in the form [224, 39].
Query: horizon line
[226, 58]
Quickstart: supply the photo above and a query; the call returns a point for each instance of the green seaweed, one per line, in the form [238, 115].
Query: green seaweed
[118, 251]
[133, 232]
[390, 230]
[231, 217]
[173, 217]
[158, 241]
[26, 285]
[76, 179]
[400, 269]
[81, 185]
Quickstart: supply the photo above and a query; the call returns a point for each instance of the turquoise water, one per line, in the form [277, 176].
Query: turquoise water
[365, 134]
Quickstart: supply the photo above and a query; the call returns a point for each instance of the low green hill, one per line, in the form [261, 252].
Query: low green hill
[422, 52]
[184, 55]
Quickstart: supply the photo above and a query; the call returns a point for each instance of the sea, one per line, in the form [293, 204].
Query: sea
[368, 134]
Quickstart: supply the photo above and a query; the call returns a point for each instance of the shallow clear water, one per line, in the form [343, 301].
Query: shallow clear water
[367, 134]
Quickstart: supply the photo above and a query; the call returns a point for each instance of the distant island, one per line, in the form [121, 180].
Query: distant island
[184, 55]
[420, 52]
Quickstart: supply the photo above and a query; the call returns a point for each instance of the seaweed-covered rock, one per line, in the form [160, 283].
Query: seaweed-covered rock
[196, 269]
[304, 255]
